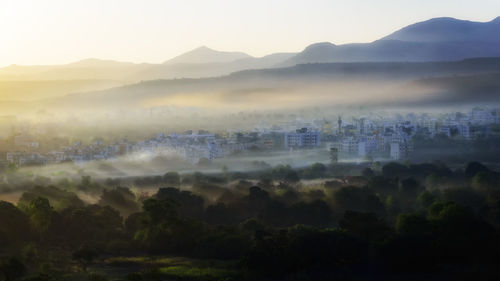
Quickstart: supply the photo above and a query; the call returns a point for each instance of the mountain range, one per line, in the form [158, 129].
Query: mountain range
[470, 81]
[438, 39]
[433, 49]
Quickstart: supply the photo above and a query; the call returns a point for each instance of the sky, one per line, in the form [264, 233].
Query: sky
[35, 32]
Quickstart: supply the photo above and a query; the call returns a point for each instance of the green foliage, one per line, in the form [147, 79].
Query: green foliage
[40, 214]
[316, 170]
[365, 226]
[426, 199]
[121, 199]
[303, 249]
[14, 226]
[413, 225]
[395, 169]
[388, 226]
[11, 269]
[285, 173]
[60, 199]
[198, 273]
[84, 256]
[473, 168]
[358, 199]
[368, 172]
[486, 180]
[172, 179]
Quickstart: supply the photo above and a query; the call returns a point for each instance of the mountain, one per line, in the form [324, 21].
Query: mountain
[92, 62]
[198, 63]
[206, 55]
[200, 70]
[81, 70]
[439, 39]
[331, 84]
[449, 30]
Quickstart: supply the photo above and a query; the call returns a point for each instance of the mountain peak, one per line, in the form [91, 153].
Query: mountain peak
[203, 54]
[91, 62]
[319, 46]
[203, 48]
[446, 29]
[442, 19]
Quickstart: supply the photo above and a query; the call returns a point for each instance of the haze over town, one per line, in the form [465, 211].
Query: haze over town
[249, 140]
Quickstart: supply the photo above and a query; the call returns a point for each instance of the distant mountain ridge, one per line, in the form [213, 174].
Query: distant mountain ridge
[283, 81]
[204, 54]
[438, 39]
[449, 30]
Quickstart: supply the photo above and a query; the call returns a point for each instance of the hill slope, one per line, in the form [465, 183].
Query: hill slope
[207, 55]
[308, 85]
[440, 39]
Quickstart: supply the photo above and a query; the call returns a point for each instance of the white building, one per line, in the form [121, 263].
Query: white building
[367, 146]
[349, 146]
[481, 116]
[303, 138]
[400, 150]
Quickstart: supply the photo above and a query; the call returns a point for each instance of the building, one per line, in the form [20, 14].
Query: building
[303, 138]
[367, 146]
[401, 150]
[349, 146]
[481, 116]
[25, 141]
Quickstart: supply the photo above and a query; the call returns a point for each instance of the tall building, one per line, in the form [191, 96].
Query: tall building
[349, 146]
[339, 122]
[302, 138]
[334, 155]
[481, 116]
[401, 150]
[367, 146]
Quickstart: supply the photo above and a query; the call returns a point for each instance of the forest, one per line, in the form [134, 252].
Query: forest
[376, 221]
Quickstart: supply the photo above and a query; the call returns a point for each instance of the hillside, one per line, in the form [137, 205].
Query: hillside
[308, 85]
[439, 39]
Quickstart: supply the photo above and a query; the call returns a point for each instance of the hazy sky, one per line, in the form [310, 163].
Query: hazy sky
[62, 31]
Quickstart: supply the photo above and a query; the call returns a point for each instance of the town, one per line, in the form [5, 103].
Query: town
[368, 137]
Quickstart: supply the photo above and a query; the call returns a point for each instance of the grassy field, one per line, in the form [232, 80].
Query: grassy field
[165, 268]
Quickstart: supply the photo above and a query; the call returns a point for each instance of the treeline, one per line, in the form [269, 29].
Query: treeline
[394, 221]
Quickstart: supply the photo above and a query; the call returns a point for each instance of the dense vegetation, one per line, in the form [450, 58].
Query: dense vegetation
[390, 222]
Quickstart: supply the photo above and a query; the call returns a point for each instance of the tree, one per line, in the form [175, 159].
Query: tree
[120, 198]
[408, 192]
[365, 226]
[473, 168]
[367, 172]
[358, 199]
[486, 180]
[383, 186]
[12, 269]
[465, 196]
[413, 225]
[285, 173]
[84, 256]
[190, 205]
[394, 169]
[425, 199]
[40, 213]
[291, 177]
[172, 179]
[334, 155]
[14, 225]
[316, 170]
[159, 210]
